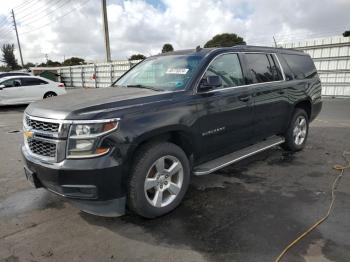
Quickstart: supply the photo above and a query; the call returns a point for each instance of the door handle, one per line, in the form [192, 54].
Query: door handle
[244, 98]
[281, 92]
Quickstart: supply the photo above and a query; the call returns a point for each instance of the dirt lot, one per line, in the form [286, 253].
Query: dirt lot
[246, 212]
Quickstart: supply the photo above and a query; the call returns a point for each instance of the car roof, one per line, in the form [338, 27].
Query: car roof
[26, 73]
[30, 76]
[238, 48]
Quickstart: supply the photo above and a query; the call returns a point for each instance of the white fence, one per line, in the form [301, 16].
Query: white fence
[332, 59]
[331, 56]
[93, 75]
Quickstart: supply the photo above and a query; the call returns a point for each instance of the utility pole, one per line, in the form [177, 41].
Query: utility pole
[274, 40]
[105, 29]
[19, 45]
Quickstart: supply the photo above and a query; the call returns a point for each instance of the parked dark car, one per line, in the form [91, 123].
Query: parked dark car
[5, 74]
[173, 115]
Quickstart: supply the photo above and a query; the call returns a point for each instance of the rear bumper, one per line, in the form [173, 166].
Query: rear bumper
[94, 185]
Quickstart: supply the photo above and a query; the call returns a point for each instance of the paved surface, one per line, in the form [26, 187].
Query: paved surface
[246, 212]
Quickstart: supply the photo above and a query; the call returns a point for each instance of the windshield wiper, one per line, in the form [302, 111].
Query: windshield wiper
[146, 87]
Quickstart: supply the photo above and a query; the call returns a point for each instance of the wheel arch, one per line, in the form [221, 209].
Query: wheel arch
[306, 105]
[181, 137]
[49, 92]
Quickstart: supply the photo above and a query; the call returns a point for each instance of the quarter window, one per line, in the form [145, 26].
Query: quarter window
[301, 65]
[228, 68]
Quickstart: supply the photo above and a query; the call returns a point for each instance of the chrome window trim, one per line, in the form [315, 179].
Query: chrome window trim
[232, 87]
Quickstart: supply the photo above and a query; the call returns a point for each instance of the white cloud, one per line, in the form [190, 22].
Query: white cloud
[138, 27]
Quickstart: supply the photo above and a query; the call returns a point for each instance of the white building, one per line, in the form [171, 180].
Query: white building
[332, 59]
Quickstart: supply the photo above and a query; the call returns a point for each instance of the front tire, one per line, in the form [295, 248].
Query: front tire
[159, 179]
[297, 131]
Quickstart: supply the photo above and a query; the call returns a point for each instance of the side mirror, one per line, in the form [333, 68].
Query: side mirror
[209, 83]
[2, 87]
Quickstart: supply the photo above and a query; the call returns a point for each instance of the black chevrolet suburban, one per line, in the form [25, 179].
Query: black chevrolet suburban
[137, 143]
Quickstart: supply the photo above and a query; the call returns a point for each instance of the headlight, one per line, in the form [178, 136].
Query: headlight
[85, 138]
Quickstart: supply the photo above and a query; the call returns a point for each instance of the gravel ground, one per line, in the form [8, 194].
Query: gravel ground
[246, 212]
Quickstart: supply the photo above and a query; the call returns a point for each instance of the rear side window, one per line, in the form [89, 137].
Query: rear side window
[263, 68]
[32, 82]
[301, 65]
[228, 68]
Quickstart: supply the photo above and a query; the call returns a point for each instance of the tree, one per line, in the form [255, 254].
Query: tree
[53, 63]
[4, 69]
[137, 57]
[346, 33]
[8, 56]
[28, 65]
[167, 48]
[225, 40]
[73, 61]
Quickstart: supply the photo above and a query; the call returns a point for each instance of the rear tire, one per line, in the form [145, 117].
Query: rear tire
[296, 134]
[159, 179]
[49, 94]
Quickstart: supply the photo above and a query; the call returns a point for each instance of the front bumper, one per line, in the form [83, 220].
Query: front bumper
[95, 185]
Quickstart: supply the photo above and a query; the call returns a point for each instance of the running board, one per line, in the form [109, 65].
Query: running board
[213, 165]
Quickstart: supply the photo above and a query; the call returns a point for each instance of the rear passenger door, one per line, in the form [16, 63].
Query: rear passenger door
[33, 88]
[271, 105]
[227, 113]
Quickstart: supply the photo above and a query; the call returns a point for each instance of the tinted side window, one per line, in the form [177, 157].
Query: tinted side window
[32, 82]
[301, 65]
[17, 74]
[260, 68]
[228, 68]
[11, 83]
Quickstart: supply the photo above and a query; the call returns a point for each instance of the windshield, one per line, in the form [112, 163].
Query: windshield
[163, 73]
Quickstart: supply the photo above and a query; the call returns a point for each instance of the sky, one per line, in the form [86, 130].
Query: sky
[61, 29]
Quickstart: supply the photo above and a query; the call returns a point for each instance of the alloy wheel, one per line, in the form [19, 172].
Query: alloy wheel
[164, 181]
[300, 130]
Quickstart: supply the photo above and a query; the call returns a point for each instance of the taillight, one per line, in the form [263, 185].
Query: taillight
[60, 85]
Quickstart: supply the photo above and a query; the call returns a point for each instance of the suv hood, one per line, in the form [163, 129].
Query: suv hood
[86, 103]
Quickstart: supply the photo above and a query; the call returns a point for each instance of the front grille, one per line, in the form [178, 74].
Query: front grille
[42, 126]
[42, 148]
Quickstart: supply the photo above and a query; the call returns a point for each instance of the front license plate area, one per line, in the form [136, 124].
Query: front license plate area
[31, 177]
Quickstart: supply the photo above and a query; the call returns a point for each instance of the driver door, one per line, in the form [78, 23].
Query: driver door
[227, 110]
[11, 92]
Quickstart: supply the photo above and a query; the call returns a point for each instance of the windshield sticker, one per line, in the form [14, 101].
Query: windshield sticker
[177, 71]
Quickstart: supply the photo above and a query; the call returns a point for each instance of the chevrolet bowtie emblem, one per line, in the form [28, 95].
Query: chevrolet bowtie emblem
[28, 134]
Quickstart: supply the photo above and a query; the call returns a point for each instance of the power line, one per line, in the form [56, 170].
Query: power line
[31, 21]
[37, 11]
[329, 29]
[24, 4]
[57, 18]
[5, 30]
[5, 21]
